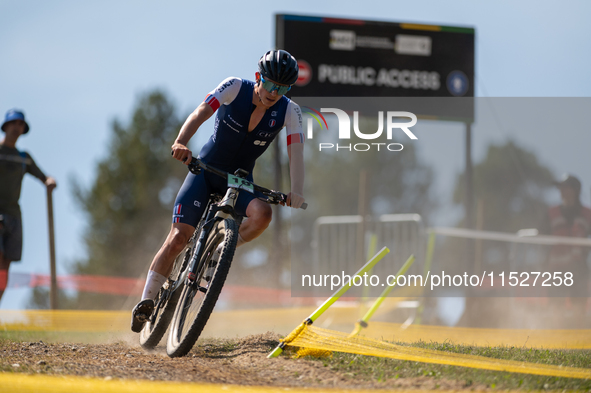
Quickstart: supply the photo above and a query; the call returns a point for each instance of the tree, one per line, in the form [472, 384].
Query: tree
[398, 182]
[130, 202]
[510, 183]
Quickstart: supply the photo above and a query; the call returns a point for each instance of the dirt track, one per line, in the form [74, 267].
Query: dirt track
[239, 361]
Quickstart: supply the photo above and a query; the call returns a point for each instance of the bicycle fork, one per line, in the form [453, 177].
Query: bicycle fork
[215, 214]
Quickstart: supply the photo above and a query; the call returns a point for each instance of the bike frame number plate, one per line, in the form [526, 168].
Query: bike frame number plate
[238, 182]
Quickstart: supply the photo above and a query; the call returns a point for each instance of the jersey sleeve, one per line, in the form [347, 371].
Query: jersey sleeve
[293, 124]
[224, 94]
[33, 169]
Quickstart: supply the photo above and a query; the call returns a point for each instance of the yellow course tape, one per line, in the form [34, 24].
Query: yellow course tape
[21, 383]
[329, 340]
[226, 323]
[64, 320]
[547, 339]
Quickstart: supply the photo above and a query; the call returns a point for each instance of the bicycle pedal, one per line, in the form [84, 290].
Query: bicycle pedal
[143, 318]
[141, 314]
[203, 289]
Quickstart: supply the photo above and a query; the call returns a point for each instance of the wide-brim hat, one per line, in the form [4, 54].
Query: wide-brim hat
[15, 114]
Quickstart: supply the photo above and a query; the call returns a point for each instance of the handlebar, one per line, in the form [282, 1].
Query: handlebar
[271, 197]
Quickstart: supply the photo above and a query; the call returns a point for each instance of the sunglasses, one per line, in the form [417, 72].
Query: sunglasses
[270, 87]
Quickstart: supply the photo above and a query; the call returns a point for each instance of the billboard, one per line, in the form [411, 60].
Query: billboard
[357, 58]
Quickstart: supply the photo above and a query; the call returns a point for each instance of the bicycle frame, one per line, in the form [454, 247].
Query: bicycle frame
[214, 213]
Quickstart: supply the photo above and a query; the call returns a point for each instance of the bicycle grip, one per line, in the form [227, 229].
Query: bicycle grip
[303, 207]
[192, 159]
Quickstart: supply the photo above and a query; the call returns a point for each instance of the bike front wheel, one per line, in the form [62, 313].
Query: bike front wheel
[197, 300]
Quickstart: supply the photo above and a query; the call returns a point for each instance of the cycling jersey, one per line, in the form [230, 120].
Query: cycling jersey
[13, 166]
[232, 146]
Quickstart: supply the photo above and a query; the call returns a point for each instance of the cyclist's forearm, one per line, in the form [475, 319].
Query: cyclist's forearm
[296, 167]
[193, 122]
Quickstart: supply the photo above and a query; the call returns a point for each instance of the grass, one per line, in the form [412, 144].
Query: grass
[217, 346]
[382, 369]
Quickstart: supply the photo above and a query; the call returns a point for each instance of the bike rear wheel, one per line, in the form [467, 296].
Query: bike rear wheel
[198, 300]
[165, 302]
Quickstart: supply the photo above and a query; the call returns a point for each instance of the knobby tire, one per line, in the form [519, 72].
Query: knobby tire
[193, 307]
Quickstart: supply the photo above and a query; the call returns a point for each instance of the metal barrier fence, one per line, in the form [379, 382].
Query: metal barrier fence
[457, 252]
[525, 285]
[509, 251]
[336, 242]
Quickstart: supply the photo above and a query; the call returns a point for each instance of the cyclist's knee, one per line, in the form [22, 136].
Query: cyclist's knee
[262, 214]
[179, 236]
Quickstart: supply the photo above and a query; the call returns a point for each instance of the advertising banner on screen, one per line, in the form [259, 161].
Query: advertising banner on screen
[357, 58]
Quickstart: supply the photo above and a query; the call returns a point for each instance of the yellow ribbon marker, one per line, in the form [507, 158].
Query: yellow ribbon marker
[329, 302]
[362, 323]
[371, 250]
[428, 260]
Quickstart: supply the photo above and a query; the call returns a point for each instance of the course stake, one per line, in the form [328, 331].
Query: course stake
[329, 302]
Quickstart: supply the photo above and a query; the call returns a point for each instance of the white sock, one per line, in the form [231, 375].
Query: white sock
[154, 282]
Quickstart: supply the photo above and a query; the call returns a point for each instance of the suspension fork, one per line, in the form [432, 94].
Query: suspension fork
[215, 214]
[193, 267]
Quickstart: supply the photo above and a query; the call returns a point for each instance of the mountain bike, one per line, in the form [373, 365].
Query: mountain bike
[188, 298]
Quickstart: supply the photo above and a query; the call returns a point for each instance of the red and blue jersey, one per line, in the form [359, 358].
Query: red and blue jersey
[232, 146]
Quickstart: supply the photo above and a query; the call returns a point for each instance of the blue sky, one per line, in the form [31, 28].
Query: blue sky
[75, 66]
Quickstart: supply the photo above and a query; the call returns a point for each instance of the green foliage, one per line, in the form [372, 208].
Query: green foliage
[509, 191]
[128, 205]
[510, 182]
[40, 299]
[398, 182]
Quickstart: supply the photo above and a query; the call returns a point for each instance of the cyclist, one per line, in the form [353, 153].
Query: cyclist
[249, 116]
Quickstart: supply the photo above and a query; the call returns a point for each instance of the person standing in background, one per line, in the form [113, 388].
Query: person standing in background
[571, 219]
[13, 166]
